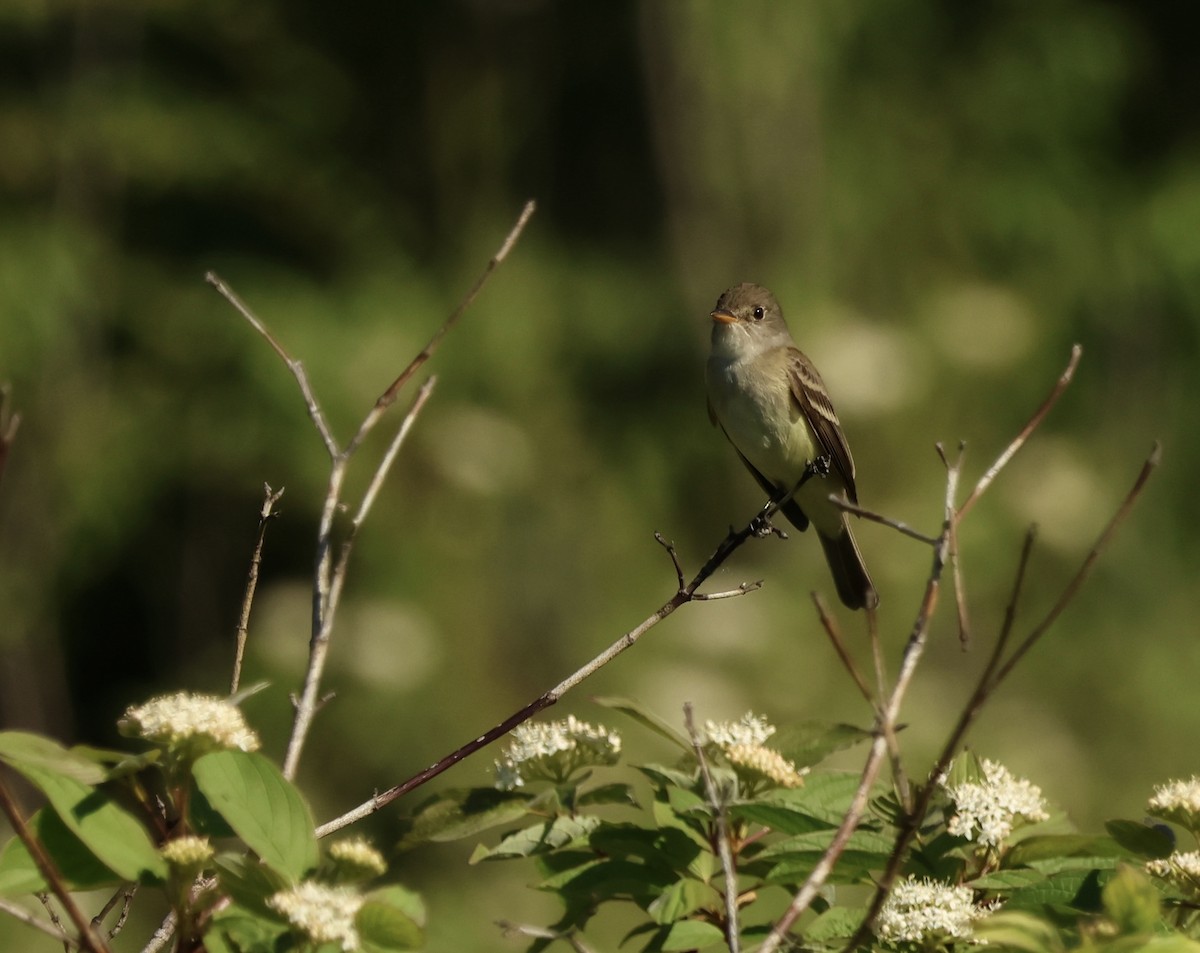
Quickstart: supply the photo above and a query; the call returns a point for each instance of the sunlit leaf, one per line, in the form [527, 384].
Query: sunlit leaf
[464, 812]
[108, 830]
[21, 749]
[265, 810]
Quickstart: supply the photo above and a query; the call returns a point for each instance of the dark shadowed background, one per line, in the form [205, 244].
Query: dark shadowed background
[944, 196]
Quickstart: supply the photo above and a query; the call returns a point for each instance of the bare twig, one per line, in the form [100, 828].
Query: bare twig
[88, 939]
[683, 595]
[994, 673]
[389, 395]
[886, 721]
[270, 498]
[895, 524]
[331, 578]
[1018, 442]
[31, 920]
[721, 820]
[294, 365]
[570, 937]
[829, 624]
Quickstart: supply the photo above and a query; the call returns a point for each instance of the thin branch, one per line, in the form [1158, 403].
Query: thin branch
[570, 937]
[32, 920]
[270, 498]
[895, 524]
[295, 366]
[829, 624]
[992, 677]
[389, 395]
[389, 457]
[88, 939]
[1063, 382]
[1089, 562]
[721, 819]
[886, 721]
[330, 581]
[683, 595]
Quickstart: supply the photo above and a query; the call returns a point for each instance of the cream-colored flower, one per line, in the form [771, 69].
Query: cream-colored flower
[188, 852]
[918, 910]
[356, 859]
[206, 721]
[1181, 869]
[322, 913]
[764, 764]
[750, 729]
[1178, 801]
[552, 751]
[986, 811]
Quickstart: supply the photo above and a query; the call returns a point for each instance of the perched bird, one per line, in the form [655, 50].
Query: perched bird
[773, 406]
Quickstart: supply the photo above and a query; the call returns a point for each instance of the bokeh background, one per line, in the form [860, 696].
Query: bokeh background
[945, 196]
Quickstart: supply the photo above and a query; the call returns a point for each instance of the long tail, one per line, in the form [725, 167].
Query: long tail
[850, 574]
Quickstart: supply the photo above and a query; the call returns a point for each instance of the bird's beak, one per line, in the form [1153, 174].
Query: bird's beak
[723, 317]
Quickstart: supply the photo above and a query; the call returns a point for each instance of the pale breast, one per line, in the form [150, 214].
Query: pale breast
[757, 412]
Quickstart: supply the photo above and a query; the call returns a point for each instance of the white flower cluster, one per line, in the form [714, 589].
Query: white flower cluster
[750, 729]
[174, 720]
[742, 742]
[188, 852]
[768, 764]
[1181, 868]
[357, 854]
[917, 910]
[1177, 797]
[986, 811]
[551, 751]
[324, 914]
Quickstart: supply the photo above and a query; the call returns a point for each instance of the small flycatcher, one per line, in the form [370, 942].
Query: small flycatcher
[773, 406]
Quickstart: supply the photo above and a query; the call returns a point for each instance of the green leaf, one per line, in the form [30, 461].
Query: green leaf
[810, 742]
[538, 839]
[463, 812]
[21, 750]
[1131, 901]
[1072, 890]
[1011, 929]
[779, 817]
[667, 779]
[825, 796]
[615, 793]
[837, 923]
[110, 832]
[680, 899]
[250, 882]
[1057, 848]
[691, 935]
[794, 859]
[265, 810]
[608, 879]
[1142, 840]
[391, 919]
[1009, 879]
[667, 847]
[236, 930]
[644, 716]
[79, 867]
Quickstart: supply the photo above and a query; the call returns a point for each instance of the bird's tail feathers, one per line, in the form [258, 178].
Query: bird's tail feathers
[850, 574]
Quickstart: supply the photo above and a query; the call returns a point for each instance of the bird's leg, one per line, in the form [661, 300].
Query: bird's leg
[761, 526]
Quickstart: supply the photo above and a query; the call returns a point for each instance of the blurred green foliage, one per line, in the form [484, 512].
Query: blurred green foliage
[944, 196]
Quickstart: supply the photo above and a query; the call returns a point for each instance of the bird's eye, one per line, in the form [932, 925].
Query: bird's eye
[758, 314]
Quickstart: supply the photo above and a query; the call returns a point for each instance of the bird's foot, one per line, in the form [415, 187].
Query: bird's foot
[761, 527]
[819, 467]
